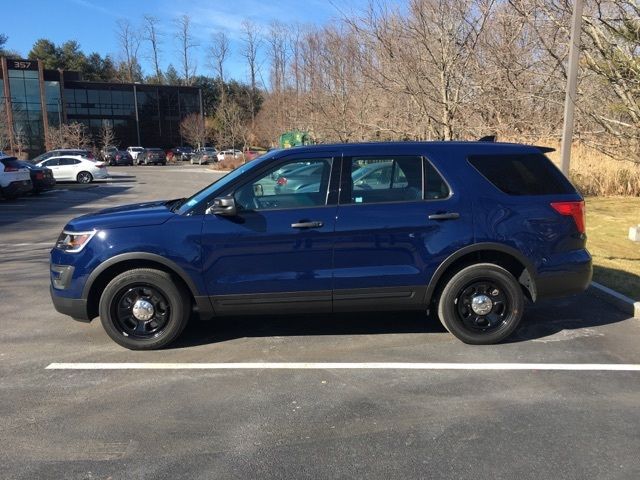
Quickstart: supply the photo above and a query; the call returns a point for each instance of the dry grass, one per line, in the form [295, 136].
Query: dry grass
[229, 163]
[595, 174]
[616, 259]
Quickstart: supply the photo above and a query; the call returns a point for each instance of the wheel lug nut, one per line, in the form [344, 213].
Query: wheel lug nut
[494, 292]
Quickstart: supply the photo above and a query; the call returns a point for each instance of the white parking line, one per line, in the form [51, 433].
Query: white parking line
[597, 367]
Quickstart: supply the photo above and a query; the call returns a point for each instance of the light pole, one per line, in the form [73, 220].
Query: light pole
[572, 81]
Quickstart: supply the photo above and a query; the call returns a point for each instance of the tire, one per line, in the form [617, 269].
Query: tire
[476, 284]
[84, 177]
[171, 308]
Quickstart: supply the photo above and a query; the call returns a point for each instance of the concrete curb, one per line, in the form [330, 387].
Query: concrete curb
[622, 302]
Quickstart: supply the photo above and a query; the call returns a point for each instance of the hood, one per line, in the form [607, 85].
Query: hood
[134, 215]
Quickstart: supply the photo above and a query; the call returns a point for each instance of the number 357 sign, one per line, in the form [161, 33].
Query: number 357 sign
[22, 65]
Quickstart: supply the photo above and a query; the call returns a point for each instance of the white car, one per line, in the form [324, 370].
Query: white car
[229, 153]
[14, 179]
[134, 151]
[74, 168]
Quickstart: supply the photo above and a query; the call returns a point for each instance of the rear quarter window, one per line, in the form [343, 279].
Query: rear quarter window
[523, 174]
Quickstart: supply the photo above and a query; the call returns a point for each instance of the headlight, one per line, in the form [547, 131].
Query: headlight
[73, 242]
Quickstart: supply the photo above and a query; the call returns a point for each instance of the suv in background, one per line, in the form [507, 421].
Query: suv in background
[182, 153]
[204, 155]
[465, 230]
[83, 152]
[15, 179]
[155, 156]
[135, 151]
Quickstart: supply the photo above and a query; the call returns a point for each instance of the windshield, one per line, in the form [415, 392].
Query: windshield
[219, 184]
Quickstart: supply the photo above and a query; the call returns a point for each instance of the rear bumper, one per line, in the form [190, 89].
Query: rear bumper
[17, 188]
[74, 307]
[45, 184]
[574, 278]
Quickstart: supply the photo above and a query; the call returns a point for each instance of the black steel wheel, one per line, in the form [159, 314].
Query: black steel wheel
[481, 304]
[84, 177]
[144, 309]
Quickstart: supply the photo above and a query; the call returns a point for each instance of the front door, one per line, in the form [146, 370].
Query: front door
[397, 220]
[276, 253]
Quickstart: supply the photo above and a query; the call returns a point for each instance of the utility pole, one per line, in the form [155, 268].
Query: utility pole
[572, 81]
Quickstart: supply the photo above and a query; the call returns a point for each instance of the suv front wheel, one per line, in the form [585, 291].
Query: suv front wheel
[481, 304]
[144, 309]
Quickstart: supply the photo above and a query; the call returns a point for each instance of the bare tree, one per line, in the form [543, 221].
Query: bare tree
[153, 37]
[129, 41]
[5, 130]
[193, 130]
[107, 135]
[252, 41]
[219, 53]
[72, 135]
[186, 44]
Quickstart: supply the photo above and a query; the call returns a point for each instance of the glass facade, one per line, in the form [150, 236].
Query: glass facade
[160, 110]
[68, 99]
[26, 107]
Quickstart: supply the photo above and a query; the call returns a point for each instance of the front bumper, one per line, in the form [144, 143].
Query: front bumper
[74, 307]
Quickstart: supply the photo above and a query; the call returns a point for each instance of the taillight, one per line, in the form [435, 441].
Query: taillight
[101, 165]
[572, 209]
[281, 181]
[39, 175]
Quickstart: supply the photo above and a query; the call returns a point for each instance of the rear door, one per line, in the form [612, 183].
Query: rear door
[397, 220]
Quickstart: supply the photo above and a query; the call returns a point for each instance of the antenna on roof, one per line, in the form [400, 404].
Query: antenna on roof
[488, 138]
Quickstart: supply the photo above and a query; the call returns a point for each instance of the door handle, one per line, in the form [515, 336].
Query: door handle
[444, 216]
[307, 225]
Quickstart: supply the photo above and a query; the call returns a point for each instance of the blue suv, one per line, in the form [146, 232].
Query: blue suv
[466, 230]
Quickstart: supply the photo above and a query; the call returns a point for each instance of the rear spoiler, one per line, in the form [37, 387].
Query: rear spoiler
[493, 138]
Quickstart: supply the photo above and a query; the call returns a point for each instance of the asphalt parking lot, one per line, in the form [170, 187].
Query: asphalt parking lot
[373, 418]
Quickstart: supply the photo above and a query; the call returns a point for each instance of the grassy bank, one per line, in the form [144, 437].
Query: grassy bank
[616, 259]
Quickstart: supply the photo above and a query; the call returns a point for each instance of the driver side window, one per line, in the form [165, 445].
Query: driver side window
[297, 183]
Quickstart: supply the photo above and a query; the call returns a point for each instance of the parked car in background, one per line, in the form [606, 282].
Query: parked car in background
[253, 153]
[14, 178]
[148, 156]
[41, 177]
[135, 151]
[231, 153]
[83, 152]
[75, 169]
[182, 153]
[204, 155]
[300, 178]
[107, 153]
[120, 157]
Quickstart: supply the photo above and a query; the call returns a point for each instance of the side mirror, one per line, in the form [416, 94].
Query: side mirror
[225, 206]
[258, 191]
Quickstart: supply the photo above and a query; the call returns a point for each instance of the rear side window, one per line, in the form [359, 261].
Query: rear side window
[526, 174]
[385, 179]
[10, 162]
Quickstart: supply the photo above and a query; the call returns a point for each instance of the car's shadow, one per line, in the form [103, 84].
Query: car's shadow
[540, 321]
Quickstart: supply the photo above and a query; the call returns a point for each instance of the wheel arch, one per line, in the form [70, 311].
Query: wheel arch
[106, 271]
[503, 255]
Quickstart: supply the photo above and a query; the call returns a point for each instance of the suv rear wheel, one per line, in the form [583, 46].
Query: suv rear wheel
[144, 309]
[481, 304]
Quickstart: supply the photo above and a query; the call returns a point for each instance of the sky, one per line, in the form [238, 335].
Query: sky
[92, 23]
